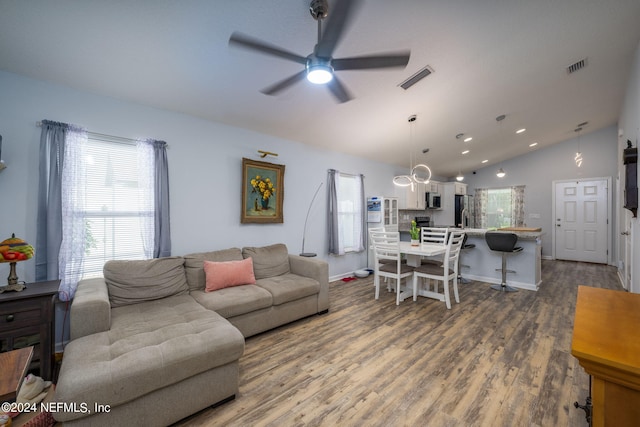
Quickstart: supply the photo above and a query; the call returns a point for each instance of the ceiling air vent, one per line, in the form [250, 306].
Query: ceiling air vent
[416, 77]
[577, 66]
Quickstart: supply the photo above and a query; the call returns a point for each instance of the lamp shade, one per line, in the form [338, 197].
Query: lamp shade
[14, 249]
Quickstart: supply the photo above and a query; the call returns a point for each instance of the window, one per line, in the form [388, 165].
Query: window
[499, 208]
[119, 204]
[346, 213]
[99, 198]
[350, 212]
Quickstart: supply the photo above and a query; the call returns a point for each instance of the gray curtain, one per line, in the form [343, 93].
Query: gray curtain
[334, 238]
[162, 232]
[363, 217]
[49, 225]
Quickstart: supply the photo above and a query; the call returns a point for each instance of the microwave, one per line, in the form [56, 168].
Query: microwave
[433, 200]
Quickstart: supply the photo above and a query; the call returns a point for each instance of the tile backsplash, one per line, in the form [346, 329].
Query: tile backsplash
[405, 216]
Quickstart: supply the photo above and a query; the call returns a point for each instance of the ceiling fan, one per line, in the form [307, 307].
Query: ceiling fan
[320, 64]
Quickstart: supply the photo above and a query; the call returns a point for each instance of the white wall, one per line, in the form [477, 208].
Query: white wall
[539, 168]
[629, 123]
[205, 161]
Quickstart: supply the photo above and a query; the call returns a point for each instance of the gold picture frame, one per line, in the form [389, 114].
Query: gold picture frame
[262, 192]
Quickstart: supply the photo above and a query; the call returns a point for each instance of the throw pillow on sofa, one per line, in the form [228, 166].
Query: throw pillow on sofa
[268, 261]
[224, 274]
[194, 265]
[132, 282]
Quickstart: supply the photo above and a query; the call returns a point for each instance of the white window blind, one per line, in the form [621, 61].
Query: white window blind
[350, 212]
[118, 205]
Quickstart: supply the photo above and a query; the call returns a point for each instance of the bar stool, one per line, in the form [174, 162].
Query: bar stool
[505, 243]
[465, 247]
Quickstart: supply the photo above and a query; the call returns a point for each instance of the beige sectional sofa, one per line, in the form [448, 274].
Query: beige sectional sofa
[150, 346]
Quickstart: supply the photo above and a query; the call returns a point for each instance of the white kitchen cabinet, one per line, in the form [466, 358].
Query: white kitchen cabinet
[460, 188]
[408, 199]
[446, 215]
[433, 187]
[390, 213]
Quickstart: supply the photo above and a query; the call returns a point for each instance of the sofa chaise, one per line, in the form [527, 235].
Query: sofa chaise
[155, 341]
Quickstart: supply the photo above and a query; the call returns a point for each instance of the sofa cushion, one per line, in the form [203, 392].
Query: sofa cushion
[194, 264]
[150, 346]
[132, 282]
[268, 261]
[225, 274]
[289, 287]
[234, 301]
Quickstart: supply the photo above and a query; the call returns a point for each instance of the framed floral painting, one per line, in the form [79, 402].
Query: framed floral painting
[262, 192]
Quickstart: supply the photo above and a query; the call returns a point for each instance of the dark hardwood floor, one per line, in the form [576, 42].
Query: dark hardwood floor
[495, 359]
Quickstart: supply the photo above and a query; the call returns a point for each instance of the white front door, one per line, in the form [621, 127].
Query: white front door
[581, 220]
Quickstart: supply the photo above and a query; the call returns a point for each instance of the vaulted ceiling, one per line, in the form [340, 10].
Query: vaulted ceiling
[489, 57]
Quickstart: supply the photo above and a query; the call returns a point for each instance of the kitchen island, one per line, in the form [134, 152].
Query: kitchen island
[480, 262]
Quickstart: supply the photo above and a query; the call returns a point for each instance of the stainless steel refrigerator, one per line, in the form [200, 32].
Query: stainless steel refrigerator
[464, 205]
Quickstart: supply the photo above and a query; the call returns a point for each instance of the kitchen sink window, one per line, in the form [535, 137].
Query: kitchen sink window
[500, 207]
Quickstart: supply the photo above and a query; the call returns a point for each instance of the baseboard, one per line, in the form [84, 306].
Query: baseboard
[513, 283]
[621, 279]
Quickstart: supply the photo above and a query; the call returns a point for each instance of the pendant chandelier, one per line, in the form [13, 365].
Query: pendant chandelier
[418, 174]
[501, 173]
[578, 157]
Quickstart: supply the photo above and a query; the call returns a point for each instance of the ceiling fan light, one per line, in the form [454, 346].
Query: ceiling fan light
[500, 173]
[319, 74]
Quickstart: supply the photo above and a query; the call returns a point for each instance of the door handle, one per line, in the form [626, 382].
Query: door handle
[625, 233]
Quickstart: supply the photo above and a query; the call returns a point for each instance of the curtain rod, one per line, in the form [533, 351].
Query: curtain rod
[344, 173]
[107, 138]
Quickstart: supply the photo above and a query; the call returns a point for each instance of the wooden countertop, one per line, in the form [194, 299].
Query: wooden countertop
[606, 334]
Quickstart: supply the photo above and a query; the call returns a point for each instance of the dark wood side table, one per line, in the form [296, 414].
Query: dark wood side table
[30, 313]
[13, 368]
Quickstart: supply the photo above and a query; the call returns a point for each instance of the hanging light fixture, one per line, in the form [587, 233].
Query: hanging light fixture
[460, 177]
[578, 157]
[420, 173]
[499, 119]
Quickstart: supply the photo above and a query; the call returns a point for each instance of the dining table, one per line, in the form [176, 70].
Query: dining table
[414, 254]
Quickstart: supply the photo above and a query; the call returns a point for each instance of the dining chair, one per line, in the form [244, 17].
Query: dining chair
[437, 235]
[444, 272]
[389, 265]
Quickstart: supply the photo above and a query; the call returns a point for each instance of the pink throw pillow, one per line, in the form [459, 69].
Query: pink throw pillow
[228, 273]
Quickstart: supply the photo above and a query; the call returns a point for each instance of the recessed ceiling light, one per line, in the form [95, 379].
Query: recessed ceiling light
[520, 130]
[465, 152]
[485, 161]
[533, 144]
[468, 139]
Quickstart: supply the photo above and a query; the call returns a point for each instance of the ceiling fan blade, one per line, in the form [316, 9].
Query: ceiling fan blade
[338, 90]
[336, 23]
[283, 84]
[241, 40]
[400, 59]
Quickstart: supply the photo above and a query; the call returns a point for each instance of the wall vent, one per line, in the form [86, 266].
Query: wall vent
[416, 77]
[577, 66]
